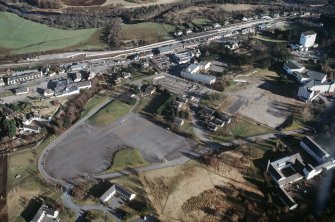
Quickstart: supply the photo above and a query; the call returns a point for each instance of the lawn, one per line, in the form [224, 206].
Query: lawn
[212, 99]
[93, 102]
[18, 35]
[239, 128]
[147, 31]
[201, 21]
[125, 158]
[267, 39]
[109, 113]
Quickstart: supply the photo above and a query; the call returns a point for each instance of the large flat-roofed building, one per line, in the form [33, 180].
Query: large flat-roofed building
[24, 76]
[293, 66]
[183, 57]
[314, 149]
[307, 39]
[192, 73]
[21, 90]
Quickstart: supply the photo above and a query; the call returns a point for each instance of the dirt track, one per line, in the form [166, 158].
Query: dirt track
[83, 2]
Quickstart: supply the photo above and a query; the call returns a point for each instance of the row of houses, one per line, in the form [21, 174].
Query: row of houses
[214, 119]
[290, 169]
[311, 83]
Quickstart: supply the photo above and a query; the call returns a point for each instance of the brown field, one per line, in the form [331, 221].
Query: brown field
[138, 3]
[83, 2]
[172, 191]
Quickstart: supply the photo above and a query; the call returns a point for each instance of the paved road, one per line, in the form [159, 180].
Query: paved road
[44, 153]
[80, 210]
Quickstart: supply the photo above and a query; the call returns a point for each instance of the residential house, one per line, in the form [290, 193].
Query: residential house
[116, 189]
[30, 128]
[178, 121]
[149, 90]
[77, 67]
[48, 92]
[293, 66]
[75, 76]
[84, 84]
[45, 214]
[311, 89]
[192, 73]
[21, 90]
[145, 55]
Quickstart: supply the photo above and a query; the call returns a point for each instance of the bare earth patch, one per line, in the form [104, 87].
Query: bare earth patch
[170, 189]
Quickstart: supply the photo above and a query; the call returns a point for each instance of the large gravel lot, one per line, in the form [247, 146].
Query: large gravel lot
[89, 149]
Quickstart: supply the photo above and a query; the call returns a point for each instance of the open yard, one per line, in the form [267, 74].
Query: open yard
[109, 113]
[265, 93]
[147, 31]
[18, 36]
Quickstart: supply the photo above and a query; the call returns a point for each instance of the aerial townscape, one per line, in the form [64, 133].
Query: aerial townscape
[167, 110]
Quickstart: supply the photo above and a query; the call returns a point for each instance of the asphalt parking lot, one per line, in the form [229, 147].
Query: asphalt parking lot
[89, 149]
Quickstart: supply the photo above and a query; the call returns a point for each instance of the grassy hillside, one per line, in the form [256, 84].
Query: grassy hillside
[18, 35]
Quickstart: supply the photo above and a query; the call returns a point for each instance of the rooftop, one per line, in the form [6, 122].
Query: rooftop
[316, 148]
[311, 32]
[291, 64]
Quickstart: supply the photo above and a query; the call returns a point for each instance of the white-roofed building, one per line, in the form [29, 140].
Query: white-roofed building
[192, 73]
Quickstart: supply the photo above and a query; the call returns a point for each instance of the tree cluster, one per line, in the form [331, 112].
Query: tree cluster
[112, 33]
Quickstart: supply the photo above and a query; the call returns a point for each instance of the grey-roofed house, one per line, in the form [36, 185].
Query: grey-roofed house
[314, 149]
[45, 214]
[293, 66]
[116, 189]
[30, 128]
[84, 84]
[21, 90]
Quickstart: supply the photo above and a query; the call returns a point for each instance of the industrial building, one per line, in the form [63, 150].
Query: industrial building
[183, 57]
[193, 73]
[307, 40]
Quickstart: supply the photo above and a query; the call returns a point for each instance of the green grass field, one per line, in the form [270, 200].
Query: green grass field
[110, 113]
[239, 128]
[127, 157]
[18, 35]
[93, 102]
[149, 31]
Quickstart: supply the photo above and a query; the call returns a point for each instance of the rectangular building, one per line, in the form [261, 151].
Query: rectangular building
[23, 76]
[314, 149]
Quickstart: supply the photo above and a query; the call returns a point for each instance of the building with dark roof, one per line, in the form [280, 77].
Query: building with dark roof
[286, 198]
[293, 66]
[314, 149]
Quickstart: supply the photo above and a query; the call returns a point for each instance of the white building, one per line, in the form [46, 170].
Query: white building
[192, 73]
[21, 90]
[45, 214]
[24, 76]
[117, 190]
[307, 39]
[2, 83]
[183, 57]
[314, 149]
